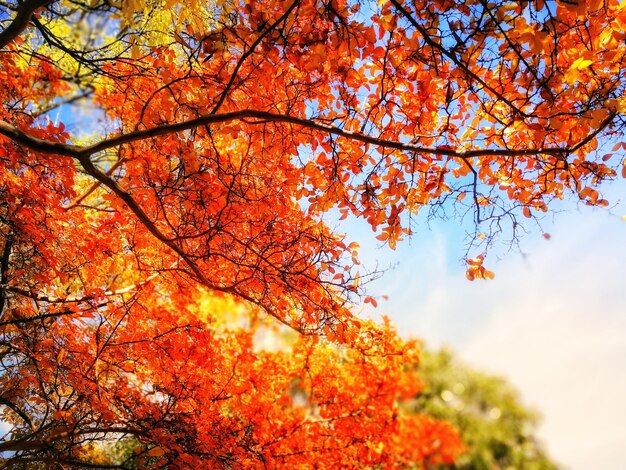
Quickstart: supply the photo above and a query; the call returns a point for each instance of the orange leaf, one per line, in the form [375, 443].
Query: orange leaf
[155, 452]
[371, 300]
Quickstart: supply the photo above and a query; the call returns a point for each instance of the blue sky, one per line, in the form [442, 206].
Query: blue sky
[553, 321]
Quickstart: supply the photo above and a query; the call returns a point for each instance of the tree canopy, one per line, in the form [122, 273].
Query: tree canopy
[219, 139]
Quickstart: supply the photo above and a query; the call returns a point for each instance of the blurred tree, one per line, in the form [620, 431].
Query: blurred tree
[498, 430]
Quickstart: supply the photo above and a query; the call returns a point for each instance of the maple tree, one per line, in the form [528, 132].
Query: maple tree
[221, 135]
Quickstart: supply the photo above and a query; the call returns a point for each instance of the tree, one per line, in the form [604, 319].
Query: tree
[221, 136]
[497, 430]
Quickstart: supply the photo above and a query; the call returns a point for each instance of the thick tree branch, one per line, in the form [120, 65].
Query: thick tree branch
[4, 267]
[21, 20]
[31, 443]
[28, 442]
[37, 144]
[263, 117]
[258, 117]
[43, 316]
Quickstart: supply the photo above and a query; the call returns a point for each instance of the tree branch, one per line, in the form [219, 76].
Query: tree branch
[424, 33]
[110, 183]
[260, 117]
[4, 267]
[37, 144]
[17, 411]
[43, 316]
[21, 20]
[249, 52]
[603, 125]
[30, 443]
[252, 117]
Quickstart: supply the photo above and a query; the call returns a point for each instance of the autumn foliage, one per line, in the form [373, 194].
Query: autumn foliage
[219, 138]
[197, 384]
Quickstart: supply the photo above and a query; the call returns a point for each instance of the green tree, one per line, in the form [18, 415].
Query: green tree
[498, 430]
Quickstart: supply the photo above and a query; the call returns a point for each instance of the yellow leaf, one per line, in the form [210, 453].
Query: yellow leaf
[581, 63]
